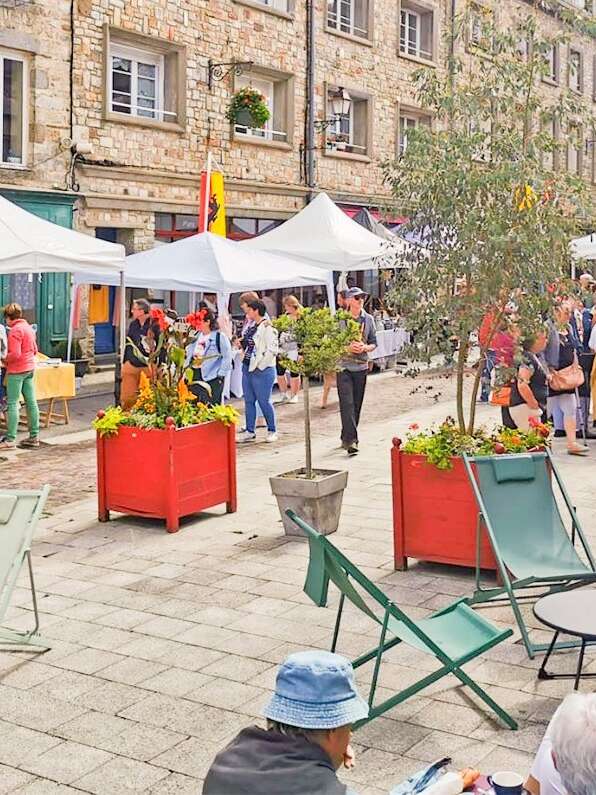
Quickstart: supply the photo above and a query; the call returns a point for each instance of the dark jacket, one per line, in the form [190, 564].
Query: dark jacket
[260, 762]
[136, 332]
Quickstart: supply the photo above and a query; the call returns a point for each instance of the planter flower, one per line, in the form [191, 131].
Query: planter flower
[314, 494]
[169, 456]
[248, 108]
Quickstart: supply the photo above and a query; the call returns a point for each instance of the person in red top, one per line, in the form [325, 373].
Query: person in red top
[20, 364]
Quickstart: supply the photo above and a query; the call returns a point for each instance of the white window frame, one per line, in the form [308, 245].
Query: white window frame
[405, 42]
[404, 124]
[552, 59]
[267, 89]
[336, 21]
[136, 55]
[277, 5]
[11, 55]
[580, 67]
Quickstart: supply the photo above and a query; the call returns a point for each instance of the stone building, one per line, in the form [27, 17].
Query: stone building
[110, 108]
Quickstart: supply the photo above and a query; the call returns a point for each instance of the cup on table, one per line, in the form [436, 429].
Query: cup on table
[506, 783]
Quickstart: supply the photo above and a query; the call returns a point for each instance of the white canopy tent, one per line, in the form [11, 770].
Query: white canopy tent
[323, 235]
[584, 247]
[30, 244]
[211, 263]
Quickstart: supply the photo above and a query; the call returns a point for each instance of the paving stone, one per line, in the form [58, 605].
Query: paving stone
[396, 737]
[192, 758]
[68, 761]
[224, 693]
[88, 661]
[164, 627]
[28, 674]
[20, 745]
[240, 669]
[175, 784]
[121, 775]
[131, 671]
[42, 786]
[176, 682]
[30, 709]
[110, 697]
[11, 779]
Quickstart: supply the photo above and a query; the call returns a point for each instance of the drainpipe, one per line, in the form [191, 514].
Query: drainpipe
[309, 120]
[71, 66]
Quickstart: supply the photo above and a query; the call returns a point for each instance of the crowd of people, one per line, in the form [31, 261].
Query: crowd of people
[555, 373]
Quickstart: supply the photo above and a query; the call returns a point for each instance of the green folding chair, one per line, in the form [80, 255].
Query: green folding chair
[454, 635]
[19, 514]
[520, 515]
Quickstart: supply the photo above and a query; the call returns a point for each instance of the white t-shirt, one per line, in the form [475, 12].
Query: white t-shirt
[592, 340]
[543, 769]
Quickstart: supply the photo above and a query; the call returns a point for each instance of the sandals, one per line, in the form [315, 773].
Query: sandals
[577, 450]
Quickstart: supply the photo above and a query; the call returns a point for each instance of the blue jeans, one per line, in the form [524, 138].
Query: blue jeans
[257, 387]
[490, 360]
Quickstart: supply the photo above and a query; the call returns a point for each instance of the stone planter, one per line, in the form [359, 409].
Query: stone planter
[317, 501]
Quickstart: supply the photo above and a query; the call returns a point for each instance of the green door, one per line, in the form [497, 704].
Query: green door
[52, 301]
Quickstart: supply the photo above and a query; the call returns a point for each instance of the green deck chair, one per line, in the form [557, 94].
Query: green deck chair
[454, 635]
[532, 548]
[19, 514]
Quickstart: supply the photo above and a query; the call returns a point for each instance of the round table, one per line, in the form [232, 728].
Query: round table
[571, 613]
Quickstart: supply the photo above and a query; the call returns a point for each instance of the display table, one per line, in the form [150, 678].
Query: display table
[570, 613]
[54, 383]
[389, 343]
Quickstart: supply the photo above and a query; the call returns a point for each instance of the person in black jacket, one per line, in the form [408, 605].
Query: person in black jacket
[140, 329]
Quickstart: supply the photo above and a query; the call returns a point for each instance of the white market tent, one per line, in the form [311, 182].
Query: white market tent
[584, 247]
[213, 264]
[30, 244]
[323, 235]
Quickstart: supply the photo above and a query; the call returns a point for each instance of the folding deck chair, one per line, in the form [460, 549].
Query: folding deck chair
[19, 514]
[454, 635]
[520, 515]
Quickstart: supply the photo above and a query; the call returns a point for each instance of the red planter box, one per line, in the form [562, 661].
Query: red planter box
[434, 513]
[166, 473]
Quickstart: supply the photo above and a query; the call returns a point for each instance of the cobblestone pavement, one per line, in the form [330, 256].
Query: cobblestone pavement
[164, 646]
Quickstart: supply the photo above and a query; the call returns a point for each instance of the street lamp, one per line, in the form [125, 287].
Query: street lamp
[341, 102]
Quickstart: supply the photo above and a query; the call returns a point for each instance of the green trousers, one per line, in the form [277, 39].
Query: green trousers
[18, 384]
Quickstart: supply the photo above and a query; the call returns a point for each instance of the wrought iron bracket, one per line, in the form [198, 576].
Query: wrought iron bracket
[219, 71]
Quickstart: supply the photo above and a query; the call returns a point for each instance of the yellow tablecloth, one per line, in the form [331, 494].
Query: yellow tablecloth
[54, 381]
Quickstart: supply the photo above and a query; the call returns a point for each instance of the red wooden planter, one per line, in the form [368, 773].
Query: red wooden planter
[434, 513]
[166, 473]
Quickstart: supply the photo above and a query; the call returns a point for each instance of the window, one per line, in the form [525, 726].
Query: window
[13, 93]
[594, 79]
[145, 79]
[245, 228]
[170, 227]
[481, 21]
[409, 120]
[574, 150]
[575, 71]
[349, 132]
[349, 16]
[278, 5]
[277, 90]
[416, 32]
[551, 131]
[551, 59]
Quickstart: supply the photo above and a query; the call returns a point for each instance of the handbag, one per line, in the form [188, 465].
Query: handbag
[568, 378]
[500, 396]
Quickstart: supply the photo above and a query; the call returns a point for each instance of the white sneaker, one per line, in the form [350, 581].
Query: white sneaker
[293, 399]
[271, 436]
[246, 436]
[283, 398]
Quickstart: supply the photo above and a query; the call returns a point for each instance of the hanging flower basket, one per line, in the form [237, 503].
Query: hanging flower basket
[248, 108]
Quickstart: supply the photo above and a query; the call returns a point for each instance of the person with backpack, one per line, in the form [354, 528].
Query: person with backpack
[210, 357]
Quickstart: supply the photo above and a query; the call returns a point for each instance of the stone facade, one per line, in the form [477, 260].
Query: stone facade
[137, 167]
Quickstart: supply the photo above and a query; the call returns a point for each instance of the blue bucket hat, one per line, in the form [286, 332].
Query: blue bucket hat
[316, 690]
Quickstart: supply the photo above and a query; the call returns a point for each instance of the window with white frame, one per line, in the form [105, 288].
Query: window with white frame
[416, 31]
[13, 98]
[137, 83]
[551, 59]
[278, 5]
[575, 70]
[408, 121]
[276, 97]
[349, 16]
[574, 150]
[348, 132]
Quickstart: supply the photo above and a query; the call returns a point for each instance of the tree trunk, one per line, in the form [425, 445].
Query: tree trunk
[477, 378]
[307, 439]
[461, 365]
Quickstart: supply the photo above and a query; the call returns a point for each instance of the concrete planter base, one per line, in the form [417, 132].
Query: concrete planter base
[316, 501]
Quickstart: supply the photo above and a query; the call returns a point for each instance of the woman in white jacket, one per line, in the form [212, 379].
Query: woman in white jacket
[260, 346]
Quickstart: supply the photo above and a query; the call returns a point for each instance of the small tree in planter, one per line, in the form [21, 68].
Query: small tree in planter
[495, 219]
[315, 494]
[248, 109]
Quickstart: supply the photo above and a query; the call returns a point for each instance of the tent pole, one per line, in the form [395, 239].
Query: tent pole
[122, 316]
[73, 289]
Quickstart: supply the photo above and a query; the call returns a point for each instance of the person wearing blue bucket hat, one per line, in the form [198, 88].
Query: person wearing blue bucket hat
[307, 739]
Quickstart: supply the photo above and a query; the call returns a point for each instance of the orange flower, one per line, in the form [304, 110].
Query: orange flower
[184, 393]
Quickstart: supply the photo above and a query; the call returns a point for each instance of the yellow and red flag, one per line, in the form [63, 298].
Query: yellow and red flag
[212, 208]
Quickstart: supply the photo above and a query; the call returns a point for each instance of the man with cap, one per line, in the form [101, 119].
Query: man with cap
[307, 739]
[351, 379]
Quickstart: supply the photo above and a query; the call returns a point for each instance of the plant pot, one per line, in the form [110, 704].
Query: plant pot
[81, 367]
[166, 473]
[317, 501]
[434, 513]
[244, 119]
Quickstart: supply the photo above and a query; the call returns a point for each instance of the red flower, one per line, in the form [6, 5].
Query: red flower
[533, 422]
[158, 316]
[196, 319]
[414, 426]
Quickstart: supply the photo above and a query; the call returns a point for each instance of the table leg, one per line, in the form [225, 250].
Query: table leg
[66, 412]
[543, 673]
[580, 663]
